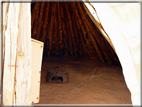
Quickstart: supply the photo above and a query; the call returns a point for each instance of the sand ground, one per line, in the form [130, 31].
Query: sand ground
[90, 82]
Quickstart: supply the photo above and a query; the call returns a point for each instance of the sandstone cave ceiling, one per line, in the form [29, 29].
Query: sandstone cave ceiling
[67, 30]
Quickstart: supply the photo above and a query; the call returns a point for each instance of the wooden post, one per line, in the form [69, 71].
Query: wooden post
[5, 18]
[11, 33]
[23, 59]
[2, 31]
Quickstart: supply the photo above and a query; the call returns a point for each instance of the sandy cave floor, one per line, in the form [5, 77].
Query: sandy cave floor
[105, 86]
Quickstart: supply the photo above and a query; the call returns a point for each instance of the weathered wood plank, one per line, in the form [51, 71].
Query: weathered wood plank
[5, 18]
[11, 34]
[37, 50]
[24, 69]
[2, 46]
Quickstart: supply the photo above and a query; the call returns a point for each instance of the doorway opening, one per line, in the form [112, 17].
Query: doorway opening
[73, 43]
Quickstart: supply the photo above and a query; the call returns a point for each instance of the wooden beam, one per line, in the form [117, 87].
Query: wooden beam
[80, 36]
[66, 38]
[87, 43]
[76, 33]
[87, 26]
[90, 29]
[56, 36]
[60, 27]
[40, 22]
[81, 26]
[111, 53]
[34, 12]
[50, 34]
[66, 47]
[43, 38]
[103, 44]
[71, 28]
[34, 19]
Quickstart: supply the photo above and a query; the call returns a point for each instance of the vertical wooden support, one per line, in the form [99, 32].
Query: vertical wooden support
[34, 14]
[2, 57]
[56, 27]
[65, 37]
[23, 63]
[35, 21]
[5, 18]
[5, 8]
[67, 27]
[60, 28]
[10, 34]
[77, 39]
[45, 23]
[51, 28]
[71, 29]
[45, 38]
[40, 22]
